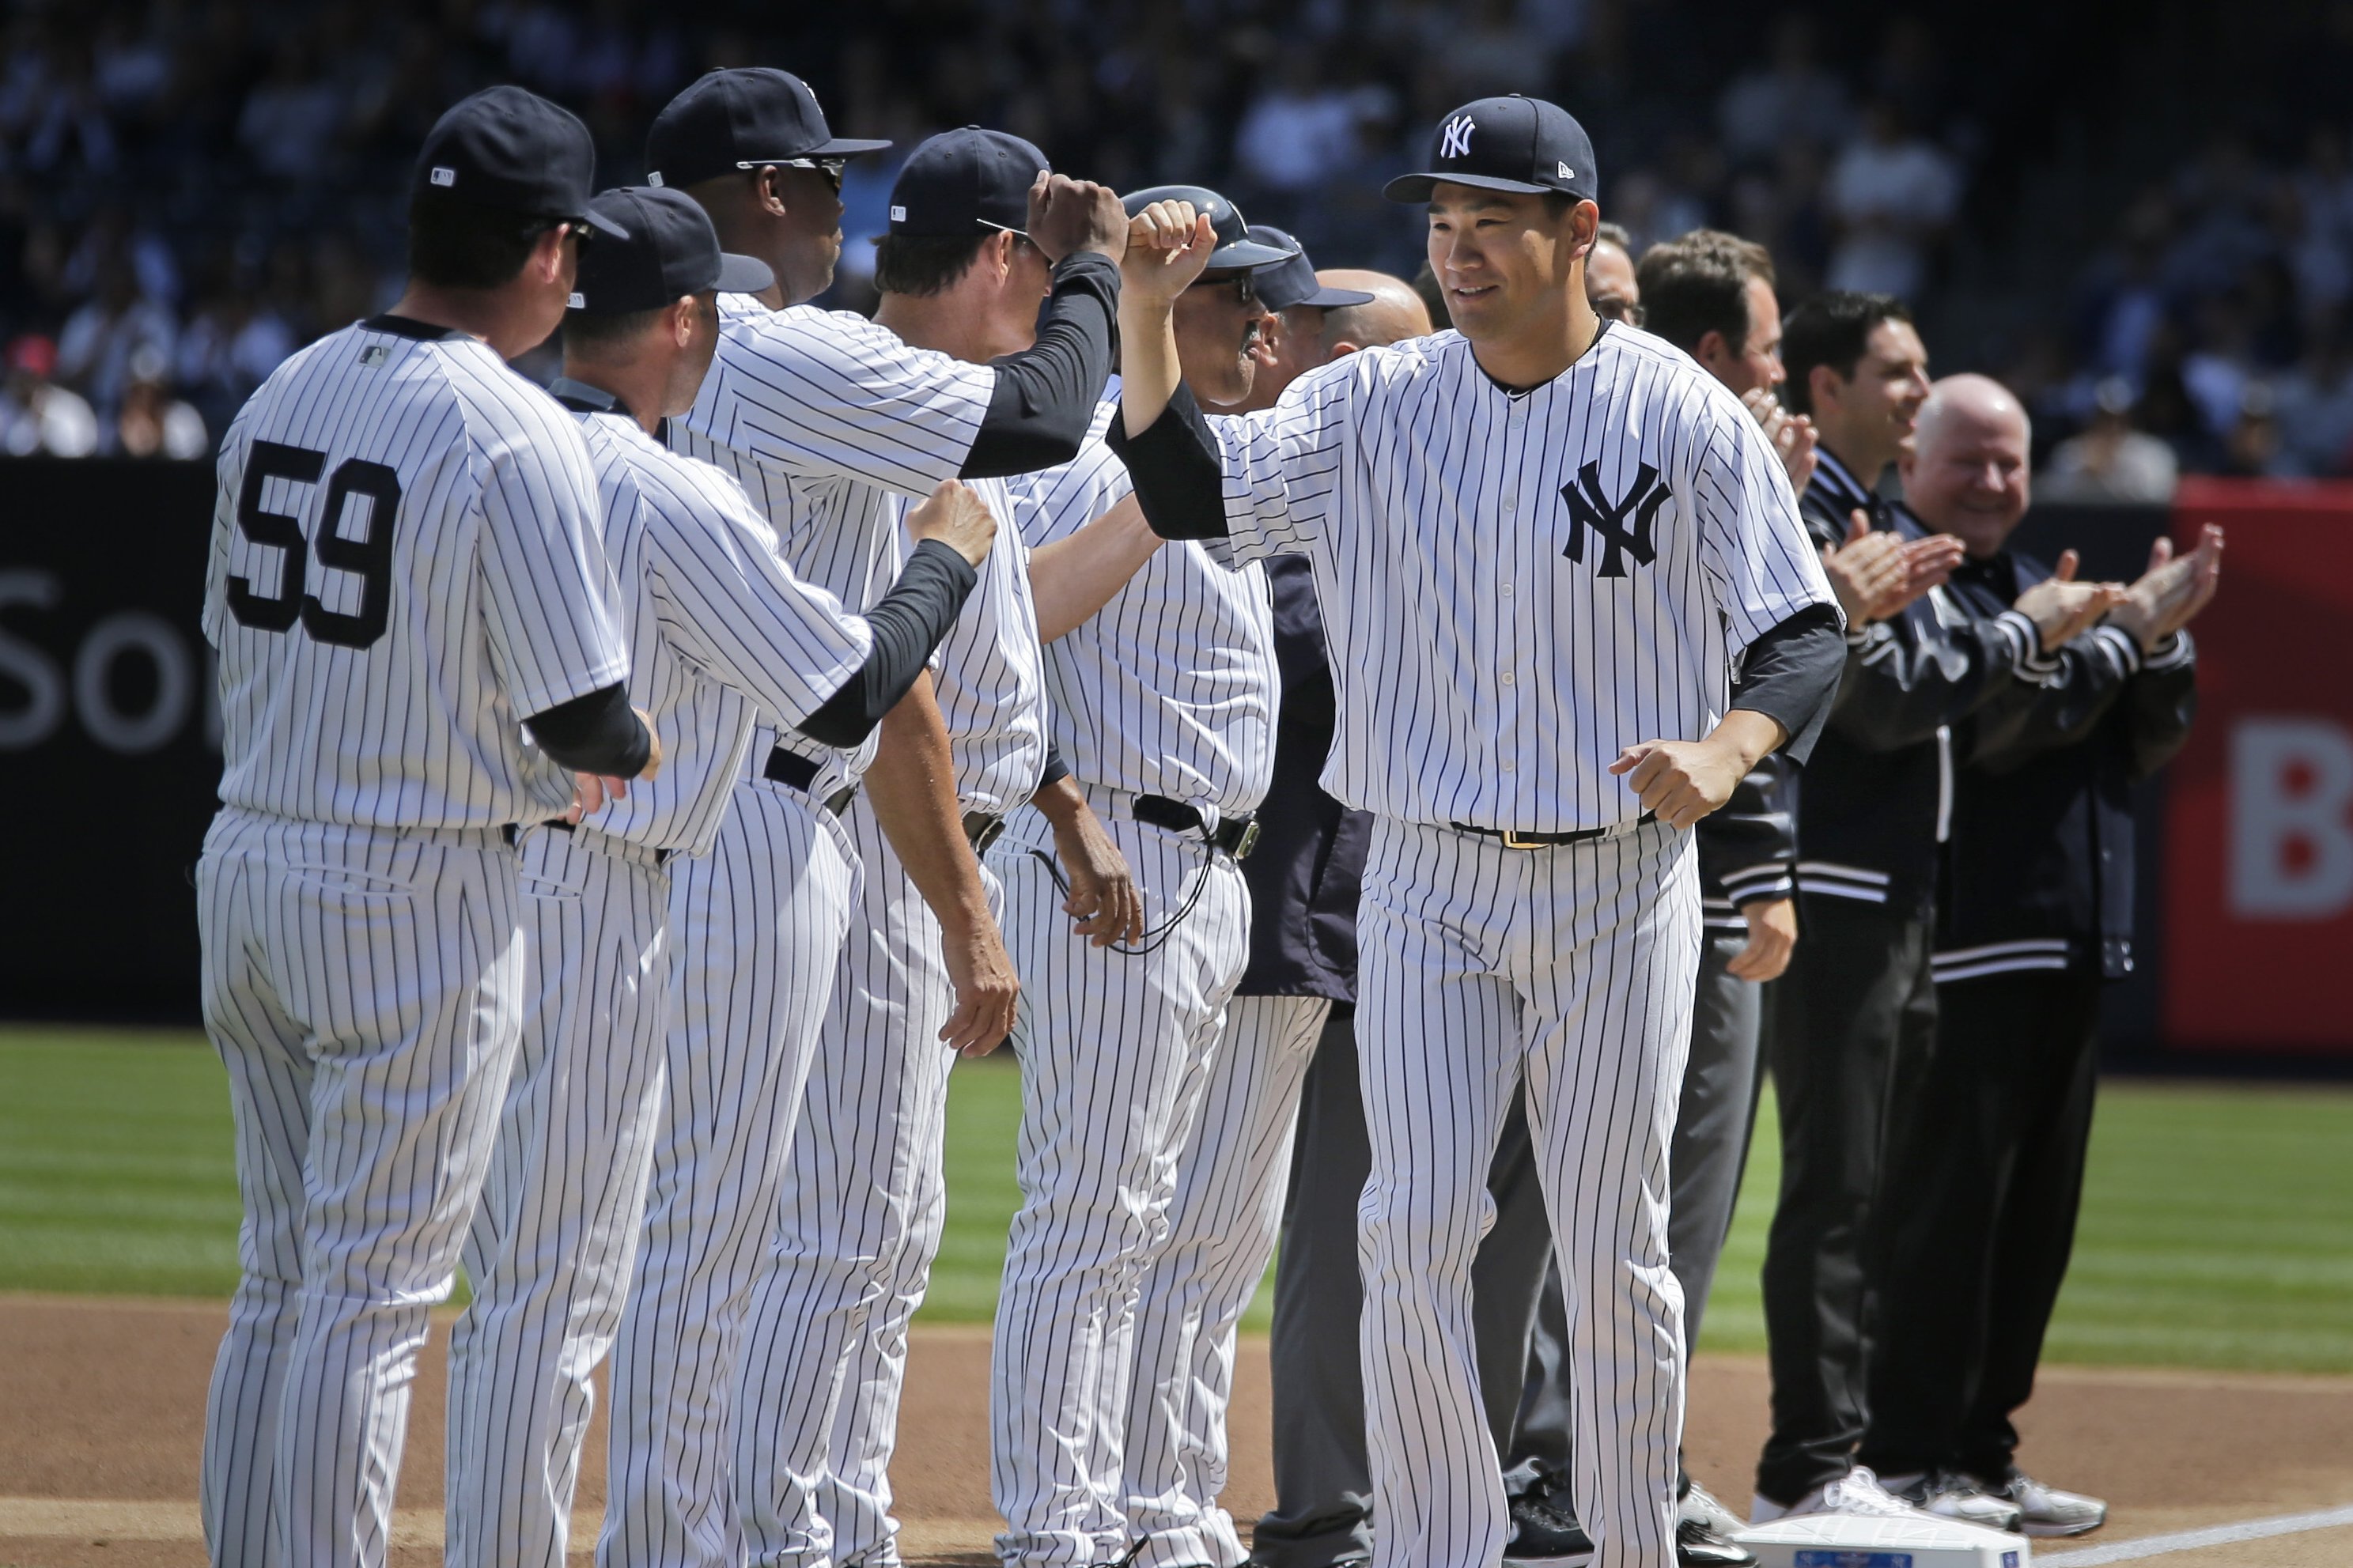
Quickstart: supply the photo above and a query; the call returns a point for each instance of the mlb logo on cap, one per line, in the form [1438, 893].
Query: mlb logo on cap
[445, 176]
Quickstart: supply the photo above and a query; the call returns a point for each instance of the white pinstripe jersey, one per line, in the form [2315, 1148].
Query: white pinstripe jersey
[720, 631]
[1516, 586]
[1170, 687]
[829, 420]
[405, 565]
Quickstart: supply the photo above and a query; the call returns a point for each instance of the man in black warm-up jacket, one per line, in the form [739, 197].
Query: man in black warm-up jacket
[2036, 913]
[1856, 1013]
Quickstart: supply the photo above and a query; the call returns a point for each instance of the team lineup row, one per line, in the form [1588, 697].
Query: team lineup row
[627, 784]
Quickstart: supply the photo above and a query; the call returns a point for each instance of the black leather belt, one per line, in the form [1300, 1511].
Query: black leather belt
[982, 830]
[791, 768]
[1514, 840]
[1235, 834]
[661, 857]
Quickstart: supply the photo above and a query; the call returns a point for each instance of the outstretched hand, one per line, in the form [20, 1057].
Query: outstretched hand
[1168, 247]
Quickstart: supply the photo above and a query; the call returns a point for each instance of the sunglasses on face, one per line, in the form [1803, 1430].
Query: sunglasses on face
[1613, 308]
[1245, 294]
[831, 168]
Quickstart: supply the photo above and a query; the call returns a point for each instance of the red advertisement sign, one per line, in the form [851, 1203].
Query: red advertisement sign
[2259, 837]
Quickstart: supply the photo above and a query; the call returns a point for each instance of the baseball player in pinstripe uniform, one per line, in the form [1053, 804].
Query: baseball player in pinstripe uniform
[718, 629]
[1541, 549]
[864, 1195]
[828, 421]
[404, 575]
[1164, 704]
[1228, 1202]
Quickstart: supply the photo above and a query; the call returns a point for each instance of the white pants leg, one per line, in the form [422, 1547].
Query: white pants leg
[757, 930]
[1573, 965]
[553, 1240]
[364, 990]
[859, 1209]
[1114, 1057]
[1222, 1225]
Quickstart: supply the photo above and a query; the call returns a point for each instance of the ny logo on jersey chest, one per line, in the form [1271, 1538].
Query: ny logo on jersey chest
[1621, 527]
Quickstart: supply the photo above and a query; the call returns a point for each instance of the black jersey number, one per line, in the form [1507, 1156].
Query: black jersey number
[369, 558]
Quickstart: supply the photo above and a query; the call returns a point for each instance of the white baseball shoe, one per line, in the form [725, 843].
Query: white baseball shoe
[2046, 1510]
[1857, 1492]
[1949, 1495]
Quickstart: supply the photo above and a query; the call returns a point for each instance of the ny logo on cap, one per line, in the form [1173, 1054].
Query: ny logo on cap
[445, 176]
[1611, 522]
[1455, 141]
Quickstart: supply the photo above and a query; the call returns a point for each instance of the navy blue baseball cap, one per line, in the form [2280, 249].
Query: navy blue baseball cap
[742, 118]
[671, 250]
[512, 151]
[1514, 144]
[965, 182]
[1293, 282]
[1237, 251]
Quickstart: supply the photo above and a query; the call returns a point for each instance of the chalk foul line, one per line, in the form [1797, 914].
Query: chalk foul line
[2191, 1540]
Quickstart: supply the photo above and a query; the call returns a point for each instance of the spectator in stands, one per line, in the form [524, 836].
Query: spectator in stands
[2111, 462]
[152, 423]
[1300, 132]
[38, 418]
[1793, 98]
[1893, 195]
[94, 351]
[288, 124]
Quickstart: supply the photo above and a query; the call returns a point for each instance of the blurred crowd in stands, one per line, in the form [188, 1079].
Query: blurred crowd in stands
[190, 189]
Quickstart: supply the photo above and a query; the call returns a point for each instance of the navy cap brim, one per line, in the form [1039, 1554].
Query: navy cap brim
[1417, 187]
[1244, 256]
[844, 147]
[602, 223]
[1336, 299]
[743, 274]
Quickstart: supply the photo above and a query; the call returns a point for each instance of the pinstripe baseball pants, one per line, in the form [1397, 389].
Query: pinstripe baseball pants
[756, 928]
[1114, 1057]
[1222, 1228]
[364, 990]
[1573, 965]
[552, 1238]
[860, 1205]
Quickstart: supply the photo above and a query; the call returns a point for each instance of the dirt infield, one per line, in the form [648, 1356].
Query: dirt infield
[101, 1414]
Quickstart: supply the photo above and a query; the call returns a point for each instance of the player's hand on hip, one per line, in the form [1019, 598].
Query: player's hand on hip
[1679, 782]
[1168, 247]
[986, 990]
[1068, 216]
[652, 769]
[591, 792]
[955, 514]
[1772, 933]
[1103, 901]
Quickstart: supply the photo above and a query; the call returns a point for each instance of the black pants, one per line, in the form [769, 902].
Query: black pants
[1323, 1475]
[1853, 1022]
[1981, 1196]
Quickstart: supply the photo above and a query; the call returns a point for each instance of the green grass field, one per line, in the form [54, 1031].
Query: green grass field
[2217, 1230]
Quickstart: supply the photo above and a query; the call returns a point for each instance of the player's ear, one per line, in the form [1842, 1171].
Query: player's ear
[682, 311]
[1711, 350]
[1822, 386]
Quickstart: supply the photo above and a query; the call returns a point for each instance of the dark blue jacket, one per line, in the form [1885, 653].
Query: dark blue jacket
[1309, 866]
[2039, 873]
[1875, 790]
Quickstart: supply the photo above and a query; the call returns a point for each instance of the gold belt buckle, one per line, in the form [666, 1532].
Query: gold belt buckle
[1514, 840]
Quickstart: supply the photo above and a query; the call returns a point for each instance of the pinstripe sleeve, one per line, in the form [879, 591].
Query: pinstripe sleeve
[1282, 465]
[230, 469]
[729, 603]
[827, 395]
[553, 606]
[1753, 545]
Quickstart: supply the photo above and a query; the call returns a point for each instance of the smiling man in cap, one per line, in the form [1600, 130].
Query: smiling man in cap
[717, 627]
[1541, 548]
